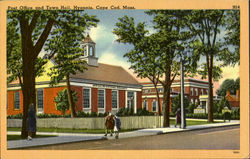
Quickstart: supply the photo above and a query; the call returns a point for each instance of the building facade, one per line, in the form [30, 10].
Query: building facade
[193, 90]
[102, 88]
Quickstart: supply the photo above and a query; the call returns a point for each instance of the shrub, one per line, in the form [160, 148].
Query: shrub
[236, 114]
[53, 116]
[143, 112]
[221, 104]
[172, 114]
[177, 103]
[18, 116]
[80, 114]
[102, 114]
[62, 102]
[93, 114]
[191, 108]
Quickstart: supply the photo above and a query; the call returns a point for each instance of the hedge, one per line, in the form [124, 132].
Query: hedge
[126, 112]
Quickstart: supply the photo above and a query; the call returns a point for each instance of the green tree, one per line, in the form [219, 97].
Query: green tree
[177, 103]
[171, 40]
[207, 26]
[191, 107]
[62, 102]
[156, 55]
[31, 30]
[223, 103]
[67, 44]
[232, 38]
[143, 56]
[228, 85]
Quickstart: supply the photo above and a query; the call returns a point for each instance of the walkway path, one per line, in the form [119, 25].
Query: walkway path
[79, 137]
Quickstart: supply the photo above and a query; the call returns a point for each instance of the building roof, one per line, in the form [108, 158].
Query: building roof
[87, 39]
[107, 73]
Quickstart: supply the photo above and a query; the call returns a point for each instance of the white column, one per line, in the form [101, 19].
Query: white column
[206, 111]
[135, 102]
[126, 100]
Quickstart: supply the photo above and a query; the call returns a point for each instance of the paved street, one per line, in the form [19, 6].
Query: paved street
[214, 138]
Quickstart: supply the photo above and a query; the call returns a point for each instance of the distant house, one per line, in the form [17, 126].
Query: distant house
[102, 88]
[194, 88]
[234, 100]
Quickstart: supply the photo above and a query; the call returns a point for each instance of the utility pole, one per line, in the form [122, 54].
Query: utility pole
[183, 118]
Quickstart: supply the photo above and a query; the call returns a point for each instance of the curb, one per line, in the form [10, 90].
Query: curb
[184, 130]
[26, 147]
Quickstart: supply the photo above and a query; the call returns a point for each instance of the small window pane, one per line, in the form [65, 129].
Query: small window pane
[154, 106]
[114, 99]
[17, 100]
[86, 98]
[40, 99]
[100, 98]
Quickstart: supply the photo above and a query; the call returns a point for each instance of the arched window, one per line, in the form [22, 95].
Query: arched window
[85, 50]
[91, 51]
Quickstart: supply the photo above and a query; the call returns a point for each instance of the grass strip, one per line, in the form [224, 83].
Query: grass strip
[101, 131]
[18, 137]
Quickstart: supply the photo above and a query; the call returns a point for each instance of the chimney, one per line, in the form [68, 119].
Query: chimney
[228, 93]
[237, 95]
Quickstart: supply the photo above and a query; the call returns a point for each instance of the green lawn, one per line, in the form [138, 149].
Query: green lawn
[193, 122]
[64, 130]
[18, 137]
[100, 131]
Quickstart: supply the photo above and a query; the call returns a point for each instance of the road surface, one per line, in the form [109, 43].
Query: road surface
[214, 138]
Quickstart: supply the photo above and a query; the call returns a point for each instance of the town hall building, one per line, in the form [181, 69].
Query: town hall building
[101, 88]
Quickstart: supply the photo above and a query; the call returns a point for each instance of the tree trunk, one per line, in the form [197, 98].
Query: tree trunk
[166, 96]
[158, 103]
[29, 55]
[28, 89]
[70, 98]
[158, 99]
[210, 91]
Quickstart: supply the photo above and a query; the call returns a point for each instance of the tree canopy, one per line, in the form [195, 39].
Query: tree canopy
[229, 85]
[32, 30]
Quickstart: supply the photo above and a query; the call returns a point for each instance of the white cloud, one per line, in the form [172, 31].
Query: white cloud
[42, 53]
[229, 73]
[102, 33]
[151, 31]
[111, 58]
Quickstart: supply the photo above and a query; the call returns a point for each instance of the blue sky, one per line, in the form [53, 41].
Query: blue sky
[108, 50]
[111, 52]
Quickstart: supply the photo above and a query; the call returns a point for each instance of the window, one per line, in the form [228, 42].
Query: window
[145, 104]
[154, 106]
[192, 101]
[7, 101]
[86, 98]
[85, 51]
[192, 92]
[202, 92]
[171, 89]
[17, 100]
[160, 90]
[40, 100]
[149, 90]
[100, 98]
[130, 100]
[196, 91]
[91, 51]
[114, 99]
[162, 105]
[196, 101]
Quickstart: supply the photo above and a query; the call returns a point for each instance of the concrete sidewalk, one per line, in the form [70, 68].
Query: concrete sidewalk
[78, 137]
